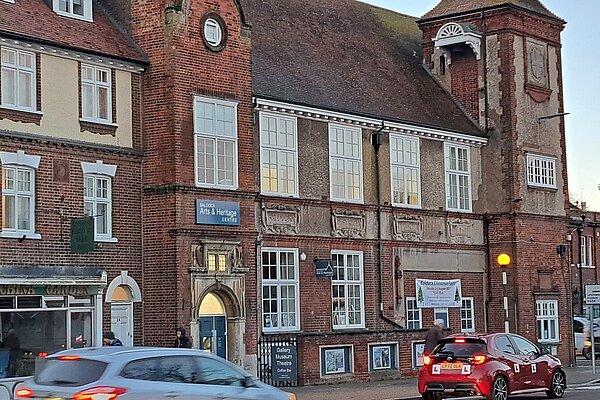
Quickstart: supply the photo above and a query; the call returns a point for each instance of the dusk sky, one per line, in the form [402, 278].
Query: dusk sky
[581, 62]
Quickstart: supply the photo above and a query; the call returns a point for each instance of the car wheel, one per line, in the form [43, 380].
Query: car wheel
[557, 385]
[499, 389]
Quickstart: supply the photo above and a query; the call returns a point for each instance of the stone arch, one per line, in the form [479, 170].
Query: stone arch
[123, 280]
[230, 301]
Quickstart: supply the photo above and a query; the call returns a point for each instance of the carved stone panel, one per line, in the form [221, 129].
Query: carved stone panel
[348, 224]
[280, 219]
[407, 227]
[232, 252]
[460, 231]
[537, 63]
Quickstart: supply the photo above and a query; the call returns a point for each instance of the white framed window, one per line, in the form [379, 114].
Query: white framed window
[467, 315]
[280, 290]
[547, 320]
[213, 34]
[96, 94]
[583, 251]
[278, 155]
[215, 130]
[458, 177]
[97, 197]
[541, 171]
[442, 313]
[590, 249]
[345, 163]
[79, 9]
[18, 195]
[347, 287]
[18, 79]
[406, 171]
[413, 314]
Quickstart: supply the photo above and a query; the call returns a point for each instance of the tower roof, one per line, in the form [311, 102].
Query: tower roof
[451, 7]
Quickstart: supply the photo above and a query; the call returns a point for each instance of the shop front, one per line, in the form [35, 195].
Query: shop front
[45, 310]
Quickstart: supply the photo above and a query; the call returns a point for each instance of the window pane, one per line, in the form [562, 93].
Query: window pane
[87, 101]
[8, 212]
[103, 103]
[8, 86]
[23, 210]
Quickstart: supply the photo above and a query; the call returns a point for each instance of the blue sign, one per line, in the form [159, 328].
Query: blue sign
[211, 212]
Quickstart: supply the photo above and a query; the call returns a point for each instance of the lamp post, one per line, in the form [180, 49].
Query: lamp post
[503, 262]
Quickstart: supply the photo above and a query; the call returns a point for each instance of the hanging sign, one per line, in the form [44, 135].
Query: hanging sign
[323, 268]
[438, 293]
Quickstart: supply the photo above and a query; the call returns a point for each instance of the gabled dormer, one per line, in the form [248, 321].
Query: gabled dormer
[78, 9]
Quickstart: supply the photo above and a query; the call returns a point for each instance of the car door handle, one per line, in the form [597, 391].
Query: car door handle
[171, 395]
[221, 396]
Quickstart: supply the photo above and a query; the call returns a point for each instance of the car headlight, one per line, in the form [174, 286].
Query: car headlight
[291, 396]
[588, 344]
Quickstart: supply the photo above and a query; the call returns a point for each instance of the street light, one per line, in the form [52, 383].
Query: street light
[503, 262]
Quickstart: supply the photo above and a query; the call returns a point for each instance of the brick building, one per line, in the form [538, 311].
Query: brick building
[308, 168]
[70, 147]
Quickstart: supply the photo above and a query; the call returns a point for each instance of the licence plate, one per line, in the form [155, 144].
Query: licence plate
[452, 366]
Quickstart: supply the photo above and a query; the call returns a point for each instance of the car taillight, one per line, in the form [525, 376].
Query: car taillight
[24, 393]
[100, 393]
[479, 359]
[427, 360]
[460, 341]
[68, 358]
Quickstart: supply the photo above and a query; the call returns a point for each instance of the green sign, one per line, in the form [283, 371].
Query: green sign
[82, 235]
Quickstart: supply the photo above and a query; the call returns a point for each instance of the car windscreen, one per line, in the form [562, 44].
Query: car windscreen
[467, 348]
[69, 372]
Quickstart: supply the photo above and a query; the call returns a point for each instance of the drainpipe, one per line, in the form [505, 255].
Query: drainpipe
[377, 140]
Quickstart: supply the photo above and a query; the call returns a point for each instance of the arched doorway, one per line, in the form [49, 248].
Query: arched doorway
[212, 324]
[122, 292]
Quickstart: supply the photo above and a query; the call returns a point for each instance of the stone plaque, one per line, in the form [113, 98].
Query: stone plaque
[348, 224]
[537, 63]
[460, 231]
[280, 219]
[408, 227]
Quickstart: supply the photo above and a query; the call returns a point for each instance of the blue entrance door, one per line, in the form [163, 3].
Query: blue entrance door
[213, 335]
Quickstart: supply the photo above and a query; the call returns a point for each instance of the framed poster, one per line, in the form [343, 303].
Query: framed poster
[335, 361]
[382, 357]
[417, 353]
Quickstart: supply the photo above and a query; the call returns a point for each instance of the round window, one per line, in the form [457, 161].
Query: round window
[214, 32]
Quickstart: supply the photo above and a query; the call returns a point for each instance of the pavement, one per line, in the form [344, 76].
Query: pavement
[406, 388]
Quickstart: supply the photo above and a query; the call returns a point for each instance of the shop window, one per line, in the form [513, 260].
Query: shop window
[336, 360]
[383, 356]
[33, 325]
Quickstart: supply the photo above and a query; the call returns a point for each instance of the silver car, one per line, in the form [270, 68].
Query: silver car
[142, 373]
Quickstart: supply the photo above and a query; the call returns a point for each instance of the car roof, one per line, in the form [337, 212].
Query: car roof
[122, 353]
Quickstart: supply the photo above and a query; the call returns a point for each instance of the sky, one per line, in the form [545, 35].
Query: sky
[581, 63]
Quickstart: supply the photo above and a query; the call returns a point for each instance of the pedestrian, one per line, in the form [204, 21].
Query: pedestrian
[182, 341]
[109, 339]
[435, 333]
[12, 342]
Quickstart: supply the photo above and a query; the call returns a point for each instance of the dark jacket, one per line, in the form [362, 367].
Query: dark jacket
[182, 341]
[117, 342]
[434, 335]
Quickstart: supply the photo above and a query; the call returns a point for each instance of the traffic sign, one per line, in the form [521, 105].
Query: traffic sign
[592, 294]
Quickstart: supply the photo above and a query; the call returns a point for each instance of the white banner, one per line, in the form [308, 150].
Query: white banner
[434, 293]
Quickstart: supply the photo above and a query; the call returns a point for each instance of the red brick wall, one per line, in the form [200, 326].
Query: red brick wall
[57, 202]
[181, 66]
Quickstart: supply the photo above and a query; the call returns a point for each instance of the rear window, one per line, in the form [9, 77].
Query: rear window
[69, 372]
[467, 349]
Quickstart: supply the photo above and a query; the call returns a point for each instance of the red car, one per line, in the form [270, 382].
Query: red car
[494, 366]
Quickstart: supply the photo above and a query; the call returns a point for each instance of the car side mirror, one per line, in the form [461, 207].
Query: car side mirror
[544, 351]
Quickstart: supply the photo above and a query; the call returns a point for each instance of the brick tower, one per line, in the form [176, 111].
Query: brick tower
[199, 173]
[501, 61]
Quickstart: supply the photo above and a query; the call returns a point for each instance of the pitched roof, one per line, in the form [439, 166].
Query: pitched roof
[36, 21]
[347, 56]
[449, 7]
